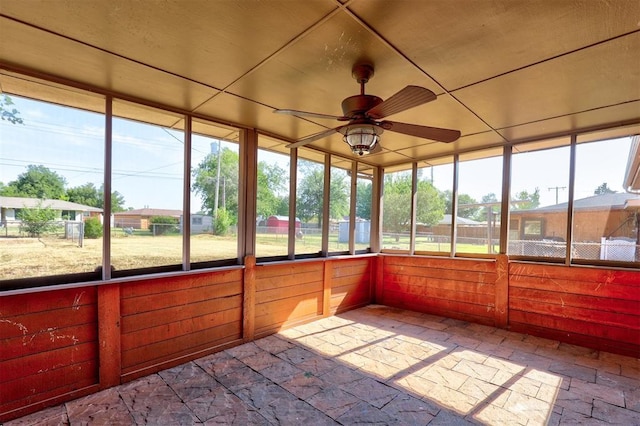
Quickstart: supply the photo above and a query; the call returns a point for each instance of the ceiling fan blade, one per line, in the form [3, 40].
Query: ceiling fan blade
[308, 114]
[314, 137]
[409, 97]
[426, 132]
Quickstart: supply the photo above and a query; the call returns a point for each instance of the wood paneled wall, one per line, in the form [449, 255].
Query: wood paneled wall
[48, 349]
[56, 345]
[62, 344]
[598, 308]
[167, 322]
[454, 288]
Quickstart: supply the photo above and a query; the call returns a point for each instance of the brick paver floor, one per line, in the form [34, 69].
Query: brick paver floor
[376, 365]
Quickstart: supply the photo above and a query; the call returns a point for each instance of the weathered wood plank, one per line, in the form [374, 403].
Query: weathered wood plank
[142, 356]
[68, 376]
[437, 284]
[475, 265]
[178, 297]
[605, 304]
[25, 304]
[33, 364]
[173, 330]
[501, 290]
[148, 287]
[109, 335]
[32, 324]
[171, 314]
[265, 296]
[47, 340]
[287, 281]
[576, 326]
[284, 269]
[576, 273]
[590, 288]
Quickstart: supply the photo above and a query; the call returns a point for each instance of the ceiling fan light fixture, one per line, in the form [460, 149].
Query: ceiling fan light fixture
[362, 138]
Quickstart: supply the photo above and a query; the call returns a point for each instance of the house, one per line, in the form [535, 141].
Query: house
[66, 210]
[510, 76]
[140, 218]
[596, 217]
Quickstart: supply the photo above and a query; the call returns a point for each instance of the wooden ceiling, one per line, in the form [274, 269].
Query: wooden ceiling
[504, 71]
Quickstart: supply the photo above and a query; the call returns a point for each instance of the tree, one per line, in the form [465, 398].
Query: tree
[205, 182]
[603, 189]
[38, 220]
[89, 195]
[7, 113]
[363, 200]
[309, 203]
[397, 204]
[271, 182]
[527, 200]
[464, 200]
[37, 182]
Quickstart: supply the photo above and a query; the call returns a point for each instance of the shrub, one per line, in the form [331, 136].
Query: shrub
[92, 228]
[222, 222]
[37, 221]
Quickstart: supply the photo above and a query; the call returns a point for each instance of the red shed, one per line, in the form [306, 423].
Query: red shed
[280, 224]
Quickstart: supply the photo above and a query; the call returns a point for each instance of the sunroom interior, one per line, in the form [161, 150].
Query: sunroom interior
[545, 95]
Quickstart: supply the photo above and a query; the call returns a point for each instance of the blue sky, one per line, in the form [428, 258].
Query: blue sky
[147, 160]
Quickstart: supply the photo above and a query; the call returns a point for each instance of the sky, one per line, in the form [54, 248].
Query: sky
[147, 159]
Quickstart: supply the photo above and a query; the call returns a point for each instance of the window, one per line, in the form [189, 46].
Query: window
[51, 157]
[309, 205]
[147, 175]
[479, 195]
[339, 199]
[396, 211]
[272, 203]
[604, 216]
[539, 199]
[214, 193]
[364, 185]
[433, 215]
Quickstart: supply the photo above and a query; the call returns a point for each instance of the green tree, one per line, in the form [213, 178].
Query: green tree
[397, 204]
[309, 203]
[527, 200]
[37, 220]
[37, 182]
[7, 113]
[89, 195]
[271, 182]
[205, 182]
[363, 200]
[465, 202]
[603, 189]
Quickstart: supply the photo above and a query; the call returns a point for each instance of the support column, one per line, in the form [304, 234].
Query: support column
[109, 344]
[249, 299]
[502, 291]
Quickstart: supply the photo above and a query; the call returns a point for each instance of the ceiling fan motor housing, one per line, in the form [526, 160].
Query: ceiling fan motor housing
[356, 106]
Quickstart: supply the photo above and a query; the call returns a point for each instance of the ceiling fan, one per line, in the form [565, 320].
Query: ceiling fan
[364, 112]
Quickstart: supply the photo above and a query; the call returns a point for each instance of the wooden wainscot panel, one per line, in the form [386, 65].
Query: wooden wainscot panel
[287, 294]
[351, 281]
[48, 349]
[455, 288]
[585, 306]
[166, 322]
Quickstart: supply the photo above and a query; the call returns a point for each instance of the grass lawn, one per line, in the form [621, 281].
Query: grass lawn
[33, 257]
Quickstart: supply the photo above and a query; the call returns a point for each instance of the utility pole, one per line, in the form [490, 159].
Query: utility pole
[556, 188]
